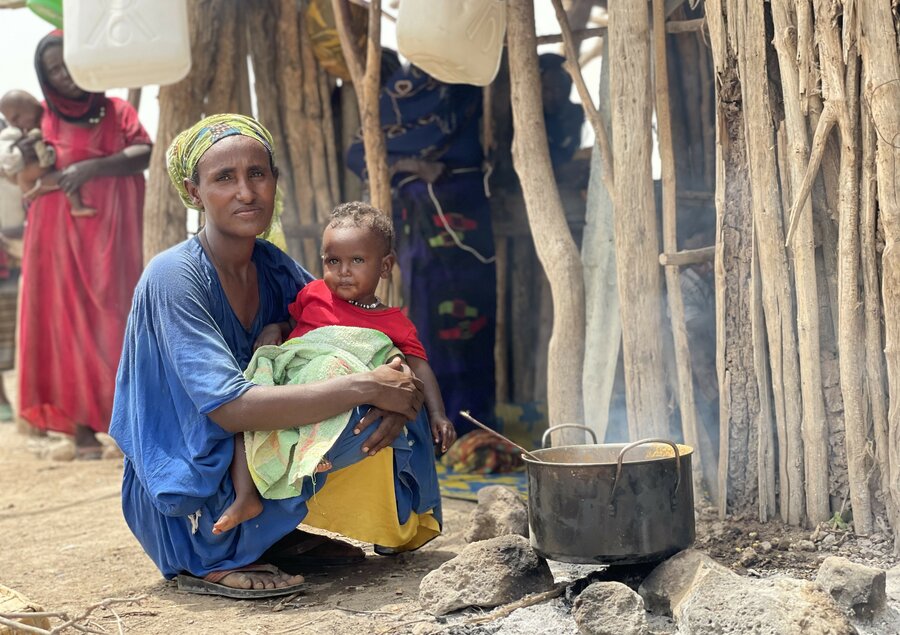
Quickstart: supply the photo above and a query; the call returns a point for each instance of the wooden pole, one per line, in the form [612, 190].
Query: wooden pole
[882, 93]
[850, 340]
[636, 231]
[555, 247]
[746, 484]
[815, 423]
[603, 320]
[749, 26]
[685, 377]
[572, 67]
[875, 373]
[366, 77]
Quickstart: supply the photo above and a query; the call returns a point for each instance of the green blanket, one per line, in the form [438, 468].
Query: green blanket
[280, 460]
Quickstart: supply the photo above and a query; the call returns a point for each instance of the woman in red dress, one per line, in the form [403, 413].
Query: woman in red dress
[79, 272]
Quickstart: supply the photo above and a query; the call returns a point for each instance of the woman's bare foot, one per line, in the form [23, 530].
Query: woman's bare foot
[260, 580]
[240, 510]
[87, 446]
[323, 466]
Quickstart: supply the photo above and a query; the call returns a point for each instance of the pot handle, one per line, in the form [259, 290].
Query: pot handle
[566, 425]
[631, 446]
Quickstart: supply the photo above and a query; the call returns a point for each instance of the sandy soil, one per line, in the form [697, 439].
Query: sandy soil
[65, 545]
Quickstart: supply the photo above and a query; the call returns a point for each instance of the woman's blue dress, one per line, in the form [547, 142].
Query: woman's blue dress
[183, 356]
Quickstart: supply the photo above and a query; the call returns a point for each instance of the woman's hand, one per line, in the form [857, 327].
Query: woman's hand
[76, 175]
[271, 335]
[398, 390]
[391, 426]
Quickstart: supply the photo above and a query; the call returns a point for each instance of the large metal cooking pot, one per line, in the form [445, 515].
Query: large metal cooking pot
[611, 503]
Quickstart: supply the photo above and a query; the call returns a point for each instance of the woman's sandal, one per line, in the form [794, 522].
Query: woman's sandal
[209, 584]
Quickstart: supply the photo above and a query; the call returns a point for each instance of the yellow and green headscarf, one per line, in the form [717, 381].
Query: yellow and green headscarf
[190, 145]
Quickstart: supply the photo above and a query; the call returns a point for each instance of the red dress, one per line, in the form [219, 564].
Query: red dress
[78, 276]
[317, 306]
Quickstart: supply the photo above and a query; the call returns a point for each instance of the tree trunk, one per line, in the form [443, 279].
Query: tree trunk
[555, 246]
[882, 91]
[603, 334]
[181, 105]
[637, 246]
[739, 390]
[366, 75]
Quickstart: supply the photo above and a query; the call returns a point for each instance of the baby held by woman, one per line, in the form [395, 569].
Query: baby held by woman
[25, 158]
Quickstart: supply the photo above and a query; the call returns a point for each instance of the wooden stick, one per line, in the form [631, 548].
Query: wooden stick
[685, 26]
[528, 600]
[837, 81]
[820, 138]
[685, 376]
[875, 373]
[814, 422]
[688, 256]
[467, 415]
[574, 69]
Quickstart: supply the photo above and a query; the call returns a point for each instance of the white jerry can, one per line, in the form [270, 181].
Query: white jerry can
[454, 41]
[126, 43]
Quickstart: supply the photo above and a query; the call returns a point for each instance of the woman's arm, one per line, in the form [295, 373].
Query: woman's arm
[391, 388]
[132, 160]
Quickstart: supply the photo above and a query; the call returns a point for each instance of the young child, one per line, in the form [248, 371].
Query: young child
[24, 156]
[357, 252]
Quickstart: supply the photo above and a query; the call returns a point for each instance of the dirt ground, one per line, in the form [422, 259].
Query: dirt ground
[65, 545]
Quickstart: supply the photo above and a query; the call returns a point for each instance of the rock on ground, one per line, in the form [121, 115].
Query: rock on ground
[853, 586]
[668, 583]
[706, 598]
[610, 608]
[548, 618]
[500, 511]
[485, 574]
[721, 603]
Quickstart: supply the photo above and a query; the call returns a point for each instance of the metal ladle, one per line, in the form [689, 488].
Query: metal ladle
[465, 413]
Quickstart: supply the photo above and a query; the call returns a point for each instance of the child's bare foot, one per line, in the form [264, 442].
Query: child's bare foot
[240, 510]
[83, 211]
[323, 466]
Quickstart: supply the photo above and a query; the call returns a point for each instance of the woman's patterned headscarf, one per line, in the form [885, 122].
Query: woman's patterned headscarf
[190, 145]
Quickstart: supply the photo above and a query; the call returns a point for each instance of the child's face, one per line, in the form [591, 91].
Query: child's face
[353, 261]
[23, 115]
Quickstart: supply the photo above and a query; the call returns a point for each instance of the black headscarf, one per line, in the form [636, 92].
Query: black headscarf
[89, 108]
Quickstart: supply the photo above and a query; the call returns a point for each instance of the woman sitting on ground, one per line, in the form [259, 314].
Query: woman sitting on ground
[181, 396]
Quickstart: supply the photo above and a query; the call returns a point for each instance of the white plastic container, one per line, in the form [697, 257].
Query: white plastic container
[126, 43]
[455, 41]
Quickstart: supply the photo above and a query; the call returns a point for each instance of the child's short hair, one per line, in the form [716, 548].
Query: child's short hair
[359, 214]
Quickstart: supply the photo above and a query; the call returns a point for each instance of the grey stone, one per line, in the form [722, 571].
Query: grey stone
[784, 543]
[829, 540]
[547, 618]
[853, 586]
[486, 574]
[500, 511]
[765, 546]
[668, 583]
[727, 603]
[804, 545]
[610, 608]
[748, 557]
[892, 583]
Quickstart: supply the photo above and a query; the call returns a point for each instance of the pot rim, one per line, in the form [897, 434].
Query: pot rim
[683, 449]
